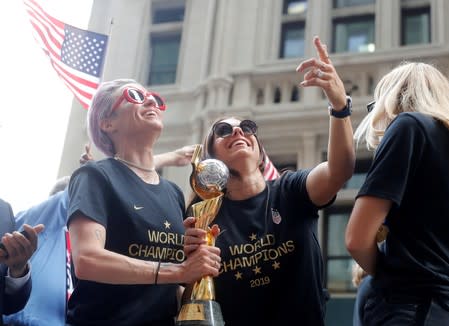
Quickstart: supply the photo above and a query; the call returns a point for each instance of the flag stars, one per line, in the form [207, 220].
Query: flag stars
[83, 52]
[167, 224]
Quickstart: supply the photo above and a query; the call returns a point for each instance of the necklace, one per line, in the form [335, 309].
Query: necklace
[116, 157]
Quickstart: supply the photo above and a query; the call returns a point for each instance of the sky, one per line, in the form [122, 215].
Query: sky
[35, 104]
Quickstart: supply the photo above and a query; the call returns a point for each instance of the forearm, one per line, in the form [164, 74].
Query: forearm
[341, 154]
[366, 258]
[164, 159]
[105, 266]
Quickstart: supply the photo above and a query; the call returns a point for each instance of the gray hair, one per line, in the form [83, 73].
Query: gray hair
[101, 109]
[60, 185]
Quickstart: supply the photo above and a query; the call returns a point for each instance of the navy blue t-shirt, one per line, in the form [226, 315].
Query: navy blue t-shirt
[410, 168]
[142, 221]
[272, 269]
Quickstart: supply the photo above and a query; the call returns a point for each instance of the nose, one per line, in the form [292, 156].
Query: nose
[237, 130]
[150, 100]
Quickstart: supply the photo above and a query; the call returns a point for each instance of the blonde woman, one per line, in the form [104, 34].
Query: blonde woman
[407, 188]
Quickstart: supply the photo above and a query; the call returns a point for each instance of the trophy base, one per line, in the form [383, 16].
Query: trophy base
[200, 313]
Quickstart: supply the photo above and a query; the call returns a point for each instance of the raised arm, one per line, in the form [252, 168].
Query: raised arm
[327, 178]
[178, 157]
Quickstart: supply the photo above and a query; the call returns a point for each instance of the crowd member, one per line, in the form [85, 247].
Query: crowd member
[406, 188]
[15, 251]
[125, 221]
[272, 269]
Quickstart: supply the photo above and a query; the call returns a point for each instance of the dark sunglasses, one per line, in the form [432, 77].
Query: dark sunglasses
[370, 106]
[224, 129]
[138, 96]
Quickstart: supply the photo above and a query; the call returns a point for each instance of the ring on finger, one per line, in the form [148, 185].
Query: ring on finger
[319, 73]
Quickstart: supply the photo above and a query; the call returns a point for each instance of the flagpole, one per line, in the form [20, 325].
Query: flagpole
[111, 25]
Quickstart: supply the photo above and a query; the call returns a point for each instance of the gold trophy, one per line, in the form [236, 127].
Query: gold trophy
[208, 179]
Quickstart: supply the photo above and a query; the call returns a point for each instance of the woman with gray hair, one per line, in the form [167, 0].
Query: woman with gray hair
[405, 192]
[125, 221]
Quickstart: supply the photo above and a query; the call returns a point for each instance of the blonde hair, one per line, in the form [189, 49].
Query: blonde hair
[410, 87]
[357, 274]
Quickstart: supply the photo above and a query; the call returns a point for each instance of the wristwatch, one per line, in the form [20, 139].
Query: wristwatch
[345, 112]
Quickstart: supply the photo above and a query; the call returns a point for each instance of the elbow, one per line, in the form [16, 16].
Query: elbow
[353, 244]
[83, 264]
[348, 171]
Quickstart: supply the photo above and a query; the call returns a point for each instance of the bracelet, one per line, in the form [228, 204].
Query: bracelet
[157, 272]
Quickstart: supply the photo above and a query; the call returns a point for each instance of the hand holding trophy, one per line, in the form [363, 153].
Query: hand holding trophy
[208, 179]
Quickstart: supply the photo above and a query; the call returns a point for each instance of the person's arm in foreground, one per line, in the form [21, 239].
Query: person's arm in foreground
[327, 178]
[95, 263]
[367, 216]
[17, 251]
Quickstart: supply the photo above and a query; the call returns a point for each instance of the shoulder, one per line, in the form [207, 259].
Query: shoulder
[291, 178]
[5, 208]
[409, 127]
[4, 205]
[412, 120]
[7, 217]
[99, 166]
[291, 184]
[93, 170]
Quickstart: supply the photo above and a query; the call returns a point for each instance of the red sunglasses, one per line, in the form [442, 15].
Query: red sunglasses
[138, 96]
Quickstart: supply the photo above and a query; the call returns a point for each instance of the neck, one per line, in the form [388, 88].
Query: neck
[240, 188]
[134, 165]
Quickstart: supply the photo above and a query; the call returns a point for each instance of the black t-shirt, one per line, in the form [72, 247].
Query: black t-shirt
[410, 168]
[142, 221]
[272, 270]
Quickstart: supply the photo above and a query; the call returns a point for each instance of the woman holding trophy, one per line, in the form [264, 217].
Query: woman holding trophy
[272, 271]
[125, 221]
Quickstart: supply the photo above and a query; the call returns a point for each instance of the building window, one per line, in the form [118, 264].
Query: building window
[292, 29]
[164, 59]
[168, 14]
[294, 7]
[360, 170]
[354, 34]
[295, 94]
[292, 40]
[350, 3]
[259, 97]
[165, 39]
[415, 26]
[338, 262]
[277, 95]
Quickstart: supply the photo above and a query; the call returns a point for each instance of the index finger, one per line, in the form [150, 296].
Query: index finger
[321, 49]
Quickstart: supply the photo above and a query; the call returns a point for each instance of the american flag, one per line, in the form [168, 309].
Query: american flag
[270, 172]
[77, 55]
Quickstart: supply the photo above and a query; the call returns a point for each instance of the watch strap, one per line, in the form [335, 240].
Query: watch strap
[345, 112]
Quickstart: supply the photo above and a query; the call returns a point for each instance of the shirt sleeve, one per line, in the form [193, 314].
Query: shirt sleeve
[13, 285]
[88, 193]
[396, 160]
